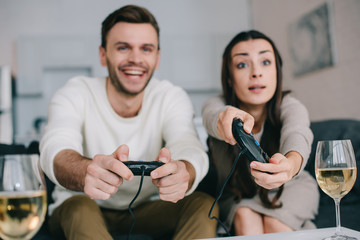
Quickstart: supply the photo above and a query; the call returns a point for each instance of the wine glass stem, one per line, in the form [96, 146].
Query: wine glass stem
[337, 212]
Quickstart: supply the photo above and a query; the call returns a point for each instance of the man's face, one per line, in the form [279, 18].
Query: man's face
[131, 56]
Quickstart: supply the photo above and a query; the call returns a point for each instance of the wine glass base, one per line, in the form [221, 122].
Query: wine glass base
[340, 237]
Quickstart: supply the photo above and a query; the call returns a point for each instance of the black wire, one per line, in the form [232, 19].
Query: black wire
[132, 201]
[221, 192]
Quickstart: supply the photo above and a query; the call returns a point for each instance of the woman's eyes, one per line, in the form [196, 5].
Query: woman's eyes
[244, 65]
[241, 65]
[266, 62]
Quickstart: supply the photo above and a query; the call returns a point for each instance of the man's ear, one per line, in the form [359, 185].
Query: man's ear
[158, 59]
[102, 56]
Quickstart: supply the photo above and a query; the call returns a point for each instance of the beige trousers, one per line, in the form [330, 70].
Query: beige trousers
[80, 218]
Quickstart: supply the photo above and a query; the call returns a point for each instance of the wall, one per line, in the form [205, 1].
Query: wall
[332, 92]
[6, 121]
[192, 37]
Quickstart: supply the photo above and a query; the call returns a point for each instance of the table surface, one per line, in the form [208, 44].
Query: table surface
[313, 234]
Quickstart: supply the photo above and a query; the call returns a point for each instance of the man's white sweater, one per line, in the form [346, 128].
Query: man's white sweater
[81, 118]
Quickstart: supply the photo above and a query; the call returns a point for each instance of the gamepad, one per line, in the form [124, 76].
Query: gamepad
[247, 141]
[137, 167]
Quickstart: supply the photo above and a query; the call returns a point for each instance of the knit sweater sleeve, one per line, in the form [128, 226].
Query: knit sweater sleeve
[180, 135]
[210, 111]
[296, 134]
[63, 130]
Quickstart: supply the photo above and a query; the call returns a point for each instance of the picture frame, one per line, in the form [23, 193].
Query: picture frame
[311, 41]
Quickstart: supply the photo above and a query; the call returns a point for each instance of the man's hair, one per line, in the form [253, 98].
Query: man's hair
[129, 14]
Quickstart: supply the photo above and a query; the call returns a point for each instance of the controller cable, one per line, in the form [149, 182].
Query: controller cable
[132, 201]
[221, 192]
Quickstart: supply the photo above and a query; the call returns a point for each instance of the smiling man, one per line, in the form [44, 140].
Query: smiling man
[97, 124]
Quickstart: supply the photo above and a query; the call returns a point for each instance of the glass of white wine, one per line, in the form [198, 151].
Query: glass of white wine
[335, 169]
[22, 196]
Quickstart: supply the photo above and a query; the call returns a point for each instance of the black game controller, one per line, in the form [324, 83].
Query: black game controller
[137, 167]
[247, 141]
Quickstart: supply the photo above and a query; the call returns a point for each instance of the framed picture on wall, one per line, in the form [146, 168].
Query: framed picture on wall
[312, 40]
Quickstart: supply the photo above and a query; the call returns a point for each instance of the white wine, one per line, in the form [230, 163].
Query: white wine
[336, 182]
[21, 214]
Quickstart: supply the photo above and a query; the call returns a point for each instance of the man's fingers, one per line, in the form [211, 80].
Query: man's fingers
[164, 155]
[95, 193]
[122, 153]
[172, 197]
[173, 181]
[170, 192]
[99, 189]
[164, 170]
[109, 164]
[103, 174]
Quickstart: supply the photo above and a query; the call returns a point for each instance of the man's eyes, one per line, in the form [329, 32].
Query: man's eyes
[126, 48]
[122, 48]
[147, 49]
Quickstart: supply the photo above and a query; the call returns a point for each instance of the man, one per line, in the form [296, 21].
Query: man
[96, 124]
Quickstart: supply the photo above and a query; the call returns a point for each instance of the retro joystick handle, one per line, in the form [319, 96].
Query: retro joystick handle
[137, 167]
[247, 141]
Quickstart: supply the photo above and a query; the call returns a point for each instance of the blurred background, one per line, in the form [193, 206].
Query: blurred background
[43, 43]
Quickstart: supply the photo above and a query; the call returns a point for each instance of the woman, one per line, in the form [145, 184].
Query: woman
[269, 197]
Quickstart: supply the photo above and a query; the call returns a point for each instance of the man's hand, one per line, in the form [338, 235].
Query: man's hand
[105, 174]
[282, 169]
[225, 119]
[174, 178]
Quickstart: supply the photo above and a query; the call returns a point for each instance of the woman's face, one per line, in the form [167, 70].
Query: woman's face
[254, 71]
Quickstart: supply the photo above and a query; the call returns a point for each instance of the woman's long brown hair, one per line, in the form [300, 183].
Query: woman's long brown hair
[241, 182]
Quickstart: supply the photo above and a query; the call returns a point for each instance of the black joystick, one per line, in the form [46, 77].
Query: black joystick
[247, 141]
[137, 167]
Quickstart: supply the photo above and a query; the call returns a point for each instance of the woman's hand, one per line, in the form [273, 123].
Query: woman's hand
[278, 171]
[225, 119]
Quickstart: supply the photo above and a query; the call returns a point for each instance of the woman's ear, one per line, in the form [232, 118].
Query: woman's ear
[230, 82]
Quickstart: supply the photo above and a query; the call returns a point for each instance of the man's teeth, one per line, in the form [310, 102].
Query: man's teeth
[133, 72]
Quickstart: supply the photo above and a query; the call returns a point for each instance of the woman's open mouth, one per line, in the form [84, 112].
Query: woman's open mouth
[256, 88]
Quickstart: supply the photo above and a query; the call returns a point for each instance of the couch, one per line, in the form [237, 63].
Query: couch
[334, 129]
[323, 130]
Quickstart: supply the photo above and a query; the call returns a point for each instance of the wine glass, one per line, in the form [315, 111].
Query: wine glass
[335, 169]
[22, 196]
